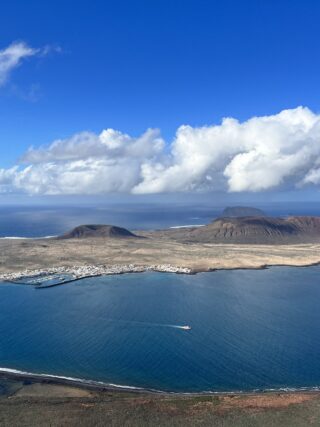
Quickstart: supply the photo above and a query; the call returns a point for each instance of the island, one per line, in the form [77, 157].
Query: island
[225, 243]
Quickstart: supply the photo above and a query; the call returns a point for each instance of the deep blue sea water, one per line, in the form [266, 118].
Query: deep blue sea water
[251, 329]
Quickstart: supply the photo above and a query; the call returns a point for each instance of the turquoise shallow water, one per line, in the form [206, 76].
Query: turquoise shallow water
[251, 329]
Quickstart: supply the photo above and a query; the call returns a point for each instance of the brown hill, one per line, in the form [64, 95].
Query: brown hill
[87, 231]
[254, 230]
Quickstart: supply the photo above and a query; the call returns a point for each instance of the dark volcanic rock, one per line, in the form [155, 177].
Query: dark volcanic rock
[86, 231]
[257, 230]
[239, 211]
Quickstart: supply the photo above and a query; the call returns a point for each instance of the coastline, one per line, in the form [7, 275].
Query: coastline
[93, 385]
[25, 402]
[77, 273]
[86, 271]
[8, 373]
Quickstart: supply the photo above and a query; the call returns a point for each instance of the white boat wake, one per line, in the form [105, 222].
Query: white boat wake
[150, 324]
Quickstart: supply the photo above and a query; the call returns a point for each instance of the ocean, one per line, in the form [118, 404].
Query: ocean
[250, 330]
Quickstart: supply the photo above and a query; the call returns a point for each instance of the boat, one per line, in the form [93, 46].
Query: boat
[186, 327]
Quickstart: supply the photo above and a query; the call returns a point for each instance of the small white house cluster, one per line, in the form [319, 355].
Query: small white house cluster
[79, 272]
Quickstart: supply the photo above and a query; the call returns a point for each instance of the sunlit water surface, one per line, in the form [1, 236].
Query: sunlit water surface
[251, 329]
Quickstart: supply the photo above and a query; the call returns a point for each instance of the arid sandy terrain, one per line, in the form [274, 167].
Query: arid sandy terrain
[17, 255]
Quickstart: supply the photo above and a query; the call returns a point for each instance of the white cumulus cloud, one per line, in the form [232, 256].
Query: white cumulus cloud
[262, 153]
[258, 154]
[86, 163]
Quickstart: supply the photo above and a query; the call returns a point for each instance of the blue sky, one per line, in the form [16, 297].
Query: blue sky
[134, 65]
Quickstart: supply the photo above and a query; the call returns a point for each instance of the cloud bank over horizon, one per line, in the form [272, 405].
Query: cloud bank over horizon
[280, 151]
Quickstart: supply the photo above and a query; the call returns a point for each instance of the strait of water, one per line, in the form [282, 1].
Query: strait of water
[251, 329]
